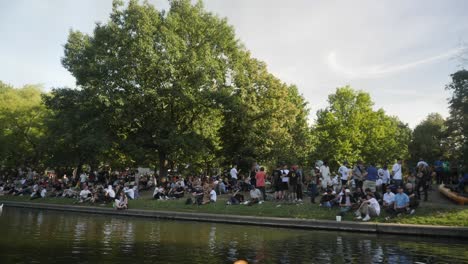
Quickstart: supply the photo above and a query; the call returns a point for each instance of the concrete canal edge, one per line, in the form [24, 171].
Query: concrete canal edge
[377, 228]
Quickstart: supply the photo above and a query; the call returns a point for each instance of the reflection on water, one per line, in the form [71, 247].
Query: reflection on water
[32, 236]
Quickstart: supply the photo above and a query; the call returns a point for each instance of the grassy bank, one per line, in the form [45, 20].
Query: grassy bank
[425, 215]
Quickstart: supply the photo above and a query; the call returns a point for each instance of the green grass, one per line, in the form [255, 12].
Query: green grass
[425, 215]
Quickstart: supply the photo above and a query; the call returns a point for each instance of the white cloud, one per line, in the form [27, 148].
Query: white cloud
[375, 71]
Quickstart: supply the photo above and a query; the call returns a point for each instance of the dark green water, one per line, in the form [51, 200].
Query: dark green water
[35, 236]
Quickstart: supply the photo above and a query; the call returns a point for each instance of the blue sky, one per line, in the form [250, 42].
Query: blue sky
[401, 52]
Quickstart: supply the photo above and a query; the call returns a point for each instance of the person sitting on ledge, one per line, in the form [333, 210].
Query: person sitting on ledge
[85, 195]
[121, 202]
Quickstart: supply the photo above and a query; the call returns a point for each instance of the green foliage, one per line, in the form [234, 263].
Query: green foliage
[22, 126]
[428, 140]
[78, 132]
[266, 119]
[349, 130]
[458, 120]
[161, 75]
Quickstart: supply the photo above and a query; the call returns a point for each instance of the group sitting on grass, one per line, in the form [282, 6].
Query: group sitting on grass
[364, 191]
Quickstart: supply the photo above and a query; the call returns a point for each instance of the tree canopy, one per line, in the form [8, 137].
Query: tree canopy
[350, 130]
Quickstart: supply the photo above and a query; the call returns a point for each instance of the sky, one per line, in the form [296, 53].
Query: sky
[401, 52]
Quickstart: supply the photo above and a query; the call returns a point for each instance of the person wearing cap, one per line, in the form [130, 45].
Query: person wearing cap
[346, 202]
[370, 208]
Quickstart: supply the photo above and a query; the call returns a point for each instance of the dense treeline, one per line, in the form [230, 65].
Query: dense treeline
[176, 89]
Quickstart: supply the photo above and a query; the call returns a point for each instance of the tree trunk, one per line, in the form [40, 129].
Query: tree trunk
[162, 165]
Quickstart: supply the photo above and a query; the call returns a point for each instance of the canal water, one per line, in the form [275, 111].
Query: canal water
[37, 236]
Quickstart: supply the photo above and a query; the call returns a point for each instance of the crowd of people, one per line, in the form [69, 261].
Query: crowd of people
[363, 189]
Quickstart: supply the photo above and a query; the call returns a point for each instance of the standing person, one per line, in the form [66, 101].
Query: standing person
[397, 172]
[371, 178]
[300, 181]
[384, 174]
[285, 181]
[260, 181]
[325, 175]
[313, 184]
[423, 177]
[343, 171]
[234, 174]
[439, 170]
[293, 180]
[358, 174]
[276, 177]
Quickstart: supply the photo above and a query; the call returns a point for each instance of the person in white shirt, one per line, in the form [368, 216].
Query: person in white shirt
[388, 199]
[110, 193]
[397, 172]
[233, 174]
[129, 192]
[85, 195]
[384, 175]
[369, 208]
[343, 171]
[255, 195]
[43, 193]
[213, 196]
[325, 175]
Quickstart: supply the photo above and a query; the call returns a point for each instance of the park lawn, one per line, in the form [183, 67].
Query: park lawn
[425, 215]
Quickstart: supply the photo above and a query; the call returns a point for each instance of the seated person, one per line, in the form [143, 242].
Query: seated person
[179, 191]
[401, 204]
[370, 208]
[213, 196]
[109, 193]
[359, 195]
[130, 192]
[69, 192]
[388, 200]
[236, 198]
[121, 202]
[346, 202]
[327, 198]
[85, 195]
[255, 196]
[376, 195]
[159, 193]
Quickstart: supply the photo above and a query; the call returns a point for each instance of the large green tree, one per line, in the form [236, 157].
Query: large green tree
[266, 120]
[22, 128]
[78, 133]
[162, 75]
[349, 130]
[458, 119]
[428, 139]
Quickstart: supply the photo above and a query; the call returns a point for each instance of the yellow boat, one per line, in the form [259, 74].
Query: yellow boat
[453, 195]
